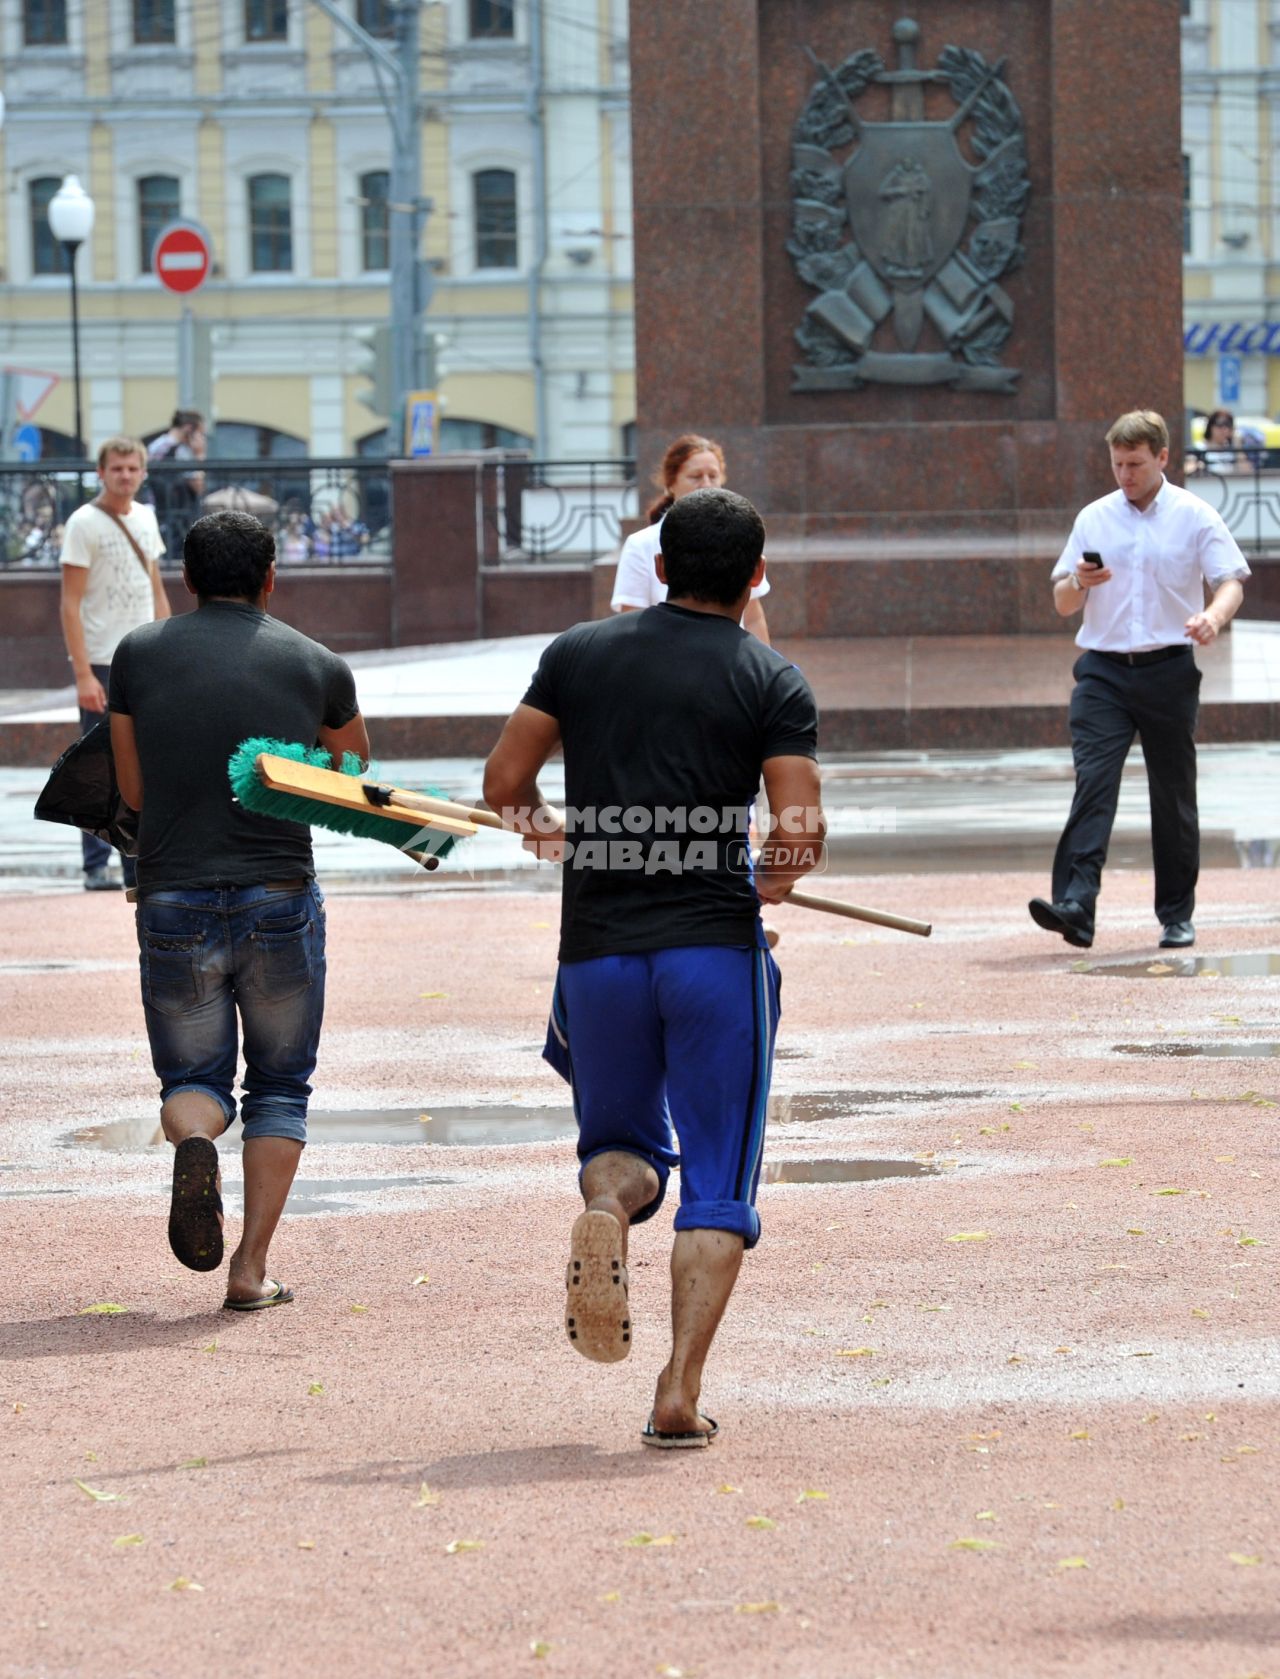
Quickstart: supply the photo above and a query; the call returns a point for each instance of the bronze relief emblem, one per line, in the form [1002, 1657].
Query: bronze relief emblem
[879, 231]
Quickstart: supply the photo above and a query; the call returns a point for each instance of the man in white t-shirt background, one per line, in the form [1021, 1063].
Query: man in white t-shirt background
[110, 585]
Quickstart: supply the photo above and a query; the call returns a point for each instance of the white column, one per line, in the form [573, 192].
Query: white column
[104, 410]
[328, 433]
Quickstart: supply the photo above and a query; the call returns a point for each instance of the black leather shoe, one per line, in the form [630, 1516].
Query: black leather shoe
[1068, 918]
[1178, 935]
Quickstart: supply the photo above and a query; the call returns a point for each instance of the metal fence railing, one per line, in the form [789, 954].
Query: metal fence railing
[323, 512]
[553, 512]
[1244, 486]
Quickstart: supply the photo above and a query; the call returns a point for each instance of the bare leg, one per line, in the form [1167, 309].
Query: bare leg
[704, 1268]
[190, 1113]
[269, 1167]
[619, 1184]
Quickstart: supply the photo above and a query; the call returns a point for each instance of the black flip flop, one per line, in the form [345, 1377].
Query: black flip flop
[195, 1233]
[281, 1295]
[669, 1441]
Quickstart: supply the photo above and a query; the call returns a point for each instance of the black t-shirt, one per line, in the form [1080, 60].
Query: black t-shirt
[666, 716]
[196, 686]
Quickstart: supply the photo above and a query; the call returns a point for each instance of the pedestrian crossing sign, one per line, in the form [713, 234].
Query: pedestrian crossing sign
[420, 410]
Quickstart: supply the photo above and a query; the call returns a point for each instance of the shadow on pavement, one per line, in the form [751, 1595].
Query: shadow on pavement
[127, 1332]
[526, 1466]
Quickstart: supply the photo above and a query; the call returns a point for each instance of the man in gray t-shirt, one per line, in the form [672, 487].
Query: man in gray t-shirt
[230, 920]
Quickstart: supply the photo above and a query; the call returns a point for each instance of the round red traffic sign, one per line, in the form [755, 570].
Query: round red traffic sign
[181, 256]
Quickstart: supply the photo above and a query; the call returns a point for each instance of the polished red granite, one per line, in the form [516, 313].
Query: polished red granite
[1097, 326]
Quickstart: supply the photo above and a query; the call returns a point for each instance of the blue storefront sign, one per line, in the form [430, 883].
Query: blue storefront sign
[1241, 338]
[1228, 380]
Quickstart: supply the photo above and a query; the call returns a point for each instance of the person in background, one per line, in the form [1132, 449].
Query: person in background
[110, 585]
[1136, 565]
[690, 463]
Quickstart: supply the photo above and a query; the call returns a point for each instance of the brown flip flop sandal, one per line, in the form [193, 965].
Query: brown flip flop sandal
[597, 1317]
[280, 1295]
[195, 1229]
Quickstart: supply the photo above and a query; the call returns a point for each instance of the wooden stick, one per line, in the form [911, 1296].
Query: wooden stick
[328, 786]
[878, 917]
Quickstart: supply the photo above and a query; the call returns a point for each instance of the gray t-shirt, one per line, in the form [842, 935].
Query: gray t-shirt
[196, 686]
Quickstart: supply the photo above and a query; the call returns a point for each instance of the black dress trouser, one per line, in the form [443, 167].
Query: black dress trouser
[1111, 703]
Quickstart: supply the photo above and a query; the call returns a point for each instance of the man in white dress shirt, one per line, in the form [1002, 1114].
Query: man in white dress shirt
[1143, 608]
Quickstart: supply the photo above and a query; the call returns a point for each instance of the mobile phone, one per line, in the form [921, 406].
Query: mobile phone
[1092, 558]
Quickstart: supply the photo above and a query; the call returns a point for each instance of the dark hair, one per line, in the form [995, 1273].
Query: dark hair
[1219, 417]
[186, 417]
[228, 554]
[687, 444]
[712, 541]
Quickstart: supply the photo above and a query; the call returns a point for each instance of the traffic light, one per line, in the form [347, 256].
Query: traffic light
[375, 366]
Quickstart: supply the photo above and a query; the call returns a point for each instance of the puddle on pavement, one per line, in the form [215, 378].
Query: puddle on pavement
[1167, 964]
[1225, 1051]
[497, 1126]
[12, 1194]
[66, 967]
[325, 1195]
[843, 1171]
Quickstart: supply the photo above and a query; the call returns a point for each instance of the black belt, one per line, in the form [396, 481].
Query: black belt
[1156, 656]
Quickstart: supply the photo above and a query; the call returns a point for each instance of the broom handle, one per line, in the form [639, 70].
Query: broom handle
[854, 912]
[804, 900]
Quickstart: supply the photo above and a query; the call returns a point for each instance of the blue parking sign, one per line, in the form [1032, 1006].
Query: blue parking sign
[1228, 380]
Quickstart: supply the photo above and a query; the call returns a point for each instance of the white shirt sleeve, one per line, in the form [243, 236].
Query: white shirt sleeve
[636, 583]
[1069, 559]
[1220, 556]
[75, 545]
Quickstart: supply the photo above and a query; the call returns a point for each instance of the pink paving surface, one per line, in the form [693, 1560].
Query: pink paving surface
[1090, 1390]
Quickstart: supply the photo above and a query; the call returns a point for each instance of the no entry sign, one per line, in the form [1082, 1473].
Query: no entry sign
[181, 256]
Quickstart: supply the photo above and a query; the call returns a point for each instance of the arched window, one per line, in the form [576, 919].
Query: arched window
[46, 258]
[479, 434]
[159, 202]
[44, 23]
[495, 218]
[375, 231]
[270, 225]
[491, 20]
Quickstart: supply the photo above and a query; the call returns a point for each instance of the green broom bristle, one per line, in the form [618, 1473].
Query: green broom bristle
[242, 772]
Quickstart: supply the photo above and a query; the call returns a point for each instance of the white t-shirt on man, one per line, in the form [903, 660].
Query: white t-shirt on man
[117, 594]
[637, 581]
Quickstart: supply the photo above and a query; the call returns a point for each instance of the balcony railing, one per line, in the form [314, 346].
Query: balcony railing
[323, 512]
[554, 512]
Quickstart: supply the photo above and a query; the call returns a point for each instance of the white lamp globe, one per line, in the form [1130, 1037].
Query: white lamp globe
[71, 212]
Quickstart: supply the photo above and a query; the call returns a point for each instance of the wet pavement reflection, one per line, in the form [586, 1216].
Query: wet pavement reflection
[1247, 964]
[1224, 1050]
[843, 1171]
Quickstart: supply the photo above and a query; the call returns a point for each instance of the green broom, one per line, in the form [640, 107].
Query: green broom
[248, 788]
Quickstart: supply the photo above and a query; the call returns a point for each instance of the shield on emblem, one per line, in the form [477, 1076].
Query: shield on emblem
[908, 188]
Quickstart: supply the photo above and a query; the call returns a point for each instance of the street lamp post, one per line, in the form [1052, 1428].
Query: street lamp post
[71, 221]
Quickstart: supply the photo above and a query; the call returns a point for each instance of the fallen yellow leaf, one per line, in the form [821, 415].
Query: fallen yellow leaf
[306, 1544]
[726, 1487]
[426, 1498]
[611, 1597]
[973, 1545]
[855, 1352]
[811, 1493]
[104, 1309]
[1242, 1559]
[968, 1236]
[539, 1648]
[642, 1539]
[769, 1608]
[195, 1463]
[1120, 1160]
[433, 996]
[127, 1540]
[359, 1308]
[1168, 1192]
[315, 1388]
[761, 1522]
[1074, 1562]
[1079, 1434]
[986, 1516]
[97, 1496]
[183, 1584]
[455, 1547]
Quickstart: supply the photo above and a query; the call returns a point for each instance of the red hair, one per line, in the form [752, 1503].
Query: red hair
[687, 444]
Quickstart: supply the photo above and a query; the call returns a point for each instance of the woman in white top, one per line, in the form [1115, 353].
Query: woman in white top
[690, 463]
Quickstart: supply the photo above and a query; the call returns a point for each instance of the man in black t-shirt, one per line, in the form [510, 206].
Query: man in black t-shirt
[666, 1001]
[230, 919]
